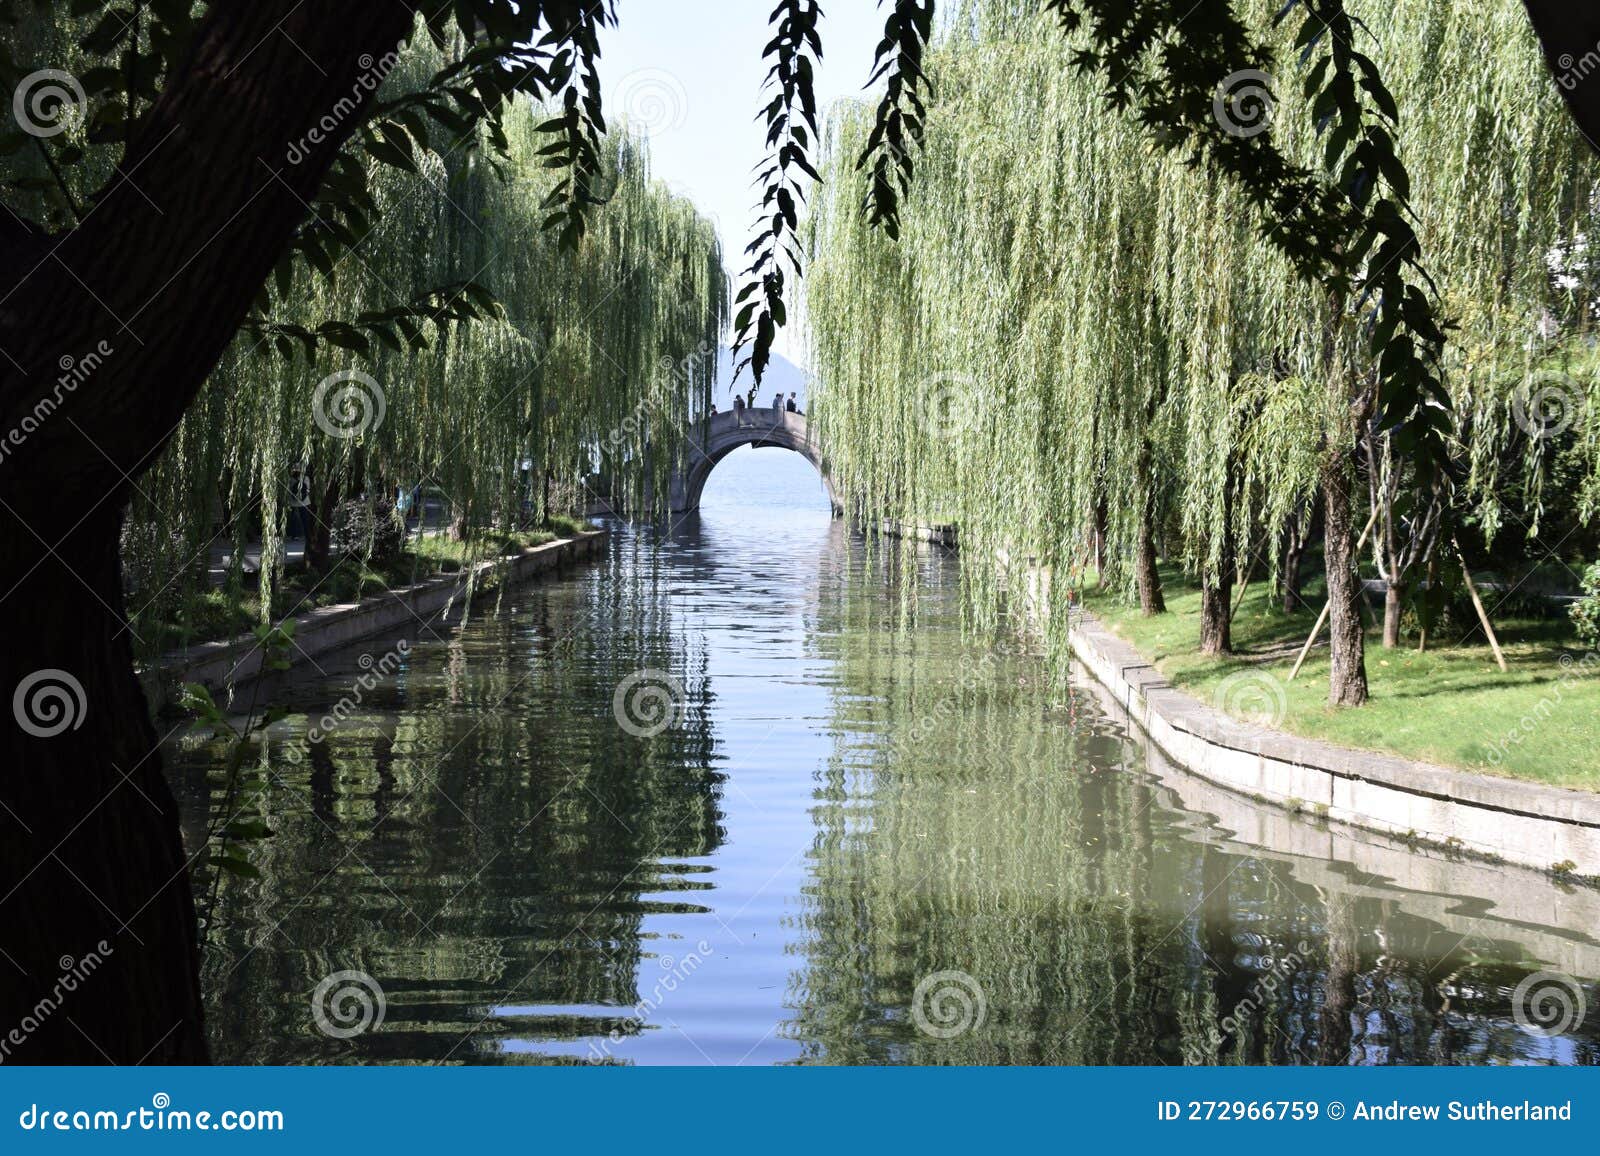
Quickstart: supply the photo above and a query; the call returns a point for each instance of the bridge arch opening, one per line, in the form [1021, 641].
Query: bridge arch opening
[723, 433]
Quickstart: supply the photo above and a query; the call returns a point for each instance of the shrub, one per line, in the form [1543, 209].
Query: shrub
[362, 530]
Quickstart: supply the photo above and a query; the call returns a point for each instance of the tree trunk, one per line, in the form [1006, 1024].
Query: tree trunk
[1569, 33]
[92, 868]
[1347, 684]
[1216, 604]
[319, 537]
[1296, 538]
[1151, 601]
[1097, 530]
[1289, 571]
[1216, 613]
[1394, 599]
[155, 283]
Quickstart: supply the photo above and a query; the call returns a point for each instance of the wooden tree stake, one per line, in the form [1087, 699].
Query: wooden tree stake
[1477, 604]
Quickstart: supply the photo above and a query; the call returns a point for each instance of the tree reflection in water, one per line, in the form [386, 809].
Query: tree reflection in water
[984, 869]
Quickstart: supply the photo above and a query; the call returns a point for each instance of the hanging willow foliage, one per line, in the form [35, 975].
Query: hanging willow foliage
[535, 354]
[1081, 335]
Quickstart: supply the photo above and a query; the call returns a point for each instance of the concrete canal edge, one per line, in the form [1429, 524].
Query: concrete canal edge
[1550, 829]
[1547, 828]
[1548, 915]
[430, 605]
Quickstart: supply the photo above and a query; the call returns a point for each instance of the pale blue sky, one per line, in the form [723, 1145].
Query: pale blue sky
[691, 71]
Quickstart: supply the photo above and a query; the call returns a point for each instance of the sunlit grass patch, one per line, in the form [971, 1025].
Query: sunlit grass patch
[1449, 704]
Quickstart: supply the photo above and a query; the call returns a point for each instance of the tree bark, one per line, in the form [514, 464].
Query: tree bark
[1151, 601]
[1348, 677]
[155, 282]
[1394, 600]
[1216, 599]
[92, 866]
[1216, 613]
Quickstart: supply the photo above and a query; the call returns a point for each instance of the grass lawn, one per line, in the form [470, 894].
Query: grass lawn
[1450, 705]
[214, 615]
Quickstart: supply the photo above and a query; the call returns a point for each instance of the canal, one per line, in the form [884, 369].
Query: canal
[816, 823]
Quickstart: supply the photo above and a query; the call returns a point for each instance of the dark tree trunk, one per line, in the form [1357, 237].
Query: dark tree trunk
[1348, 678]
[1297, 538]
[92, 866]
[155, 281]
[1570, 36]
[319, 538]
[1216, 613]
[1289, 571]
[1216, 604]
[1151, 601]
[1097, 531]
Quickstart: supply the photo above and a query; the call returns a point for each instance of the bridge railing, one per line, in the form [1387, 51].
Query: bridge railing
[756, 417]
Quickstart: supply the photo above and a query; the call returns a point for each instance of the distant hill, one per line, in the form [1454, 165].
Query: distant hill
[782, 374]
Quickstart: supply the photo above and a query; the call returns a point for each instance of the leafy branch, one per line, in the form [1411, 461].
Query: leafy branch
[791, 117]
[398, 328]
[898, 129]
[574, 70]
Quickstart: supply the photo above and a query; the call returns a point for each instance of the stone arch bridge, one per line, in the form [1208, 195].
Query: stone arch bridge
[722, 433]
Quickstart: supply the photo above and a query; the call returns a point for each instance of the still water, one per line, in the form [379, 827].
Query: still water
[865, 839]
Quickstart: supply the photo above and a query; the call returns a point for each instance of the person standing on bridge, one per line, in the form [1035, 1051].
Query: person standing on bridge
[777, 402]
[793, 406]
[738, 402]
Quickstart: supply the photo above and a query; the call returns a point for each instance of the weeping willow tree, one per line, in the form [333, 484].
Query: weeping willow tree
[1084, 350]
[192, 194]
[534, 356]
